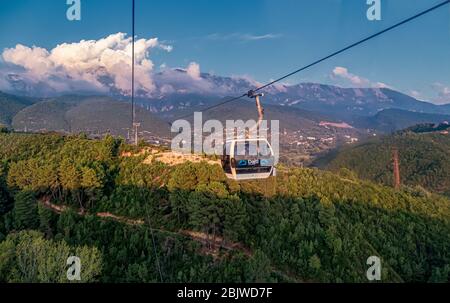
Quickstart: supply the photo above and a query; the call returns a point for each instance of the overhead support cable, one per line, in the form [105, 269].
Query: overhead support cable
[388, 29]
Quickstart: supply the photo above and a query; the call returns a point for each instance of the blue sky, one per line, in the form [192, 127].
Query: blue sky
[263, 39]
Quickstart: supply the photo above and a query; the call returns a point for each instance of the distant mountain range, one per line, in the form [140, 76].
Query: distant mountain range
[348, 103]
[100, 115]
[390, 120]
[175, 89]
[93, 115]
[10, 105]
[299, 107]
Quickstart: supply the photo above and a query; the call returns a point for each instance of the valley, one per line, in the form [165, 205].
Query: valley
[69, 174]
[314, 118]
[303, 225]
[423, 150]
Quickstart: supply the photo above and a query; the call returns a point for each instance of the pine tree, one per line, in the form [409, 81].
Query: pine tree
[45, 220]
[4, 201]
[25, 211]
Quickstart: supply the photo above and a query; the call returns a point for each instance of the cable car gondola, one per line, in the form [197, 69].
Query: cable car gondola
[249, 158]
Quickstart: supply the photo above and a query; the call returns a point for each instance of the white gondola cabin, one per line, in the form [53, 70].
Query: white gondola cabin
[248, 159]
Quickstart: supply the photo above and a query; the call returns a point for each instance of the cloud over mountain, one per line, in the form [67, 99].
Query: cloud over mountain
[95, 65]
[342, 73]
[443, 93]
[104, 66]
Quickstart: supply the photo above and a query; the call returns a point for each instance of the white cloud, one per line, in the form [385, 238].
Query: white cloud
[415, 94]
[34, 59]
[443, 93]
[381, 85]
[342, 73]
[86, 62]
[247, 78]
[243, 36]
[249, 37]
[104, 66]
[193, 70]
[186, 80]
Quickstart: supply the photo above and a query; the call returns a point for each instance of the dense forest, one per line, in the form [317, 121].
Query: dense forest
[424, 153]
[135, 222]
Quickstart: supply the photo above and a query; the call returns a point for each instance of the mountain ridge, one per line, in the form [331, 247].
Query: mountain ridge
[92, 115]
[10, 105]
[391, 120]
[177, 84]
[298, 106]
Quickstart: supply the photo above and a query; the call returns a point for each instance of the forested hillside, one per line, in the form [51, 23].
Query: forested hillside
[139, 222]
[391, 120]
[10, 105]
[424, 155]
[92, 115]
